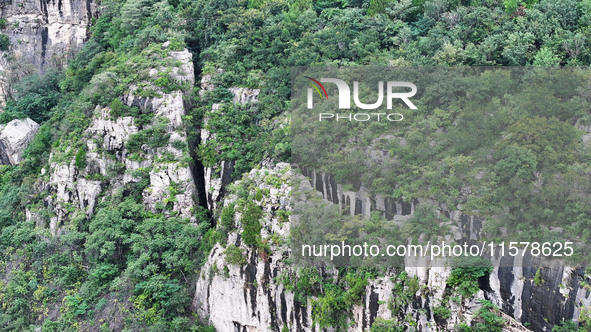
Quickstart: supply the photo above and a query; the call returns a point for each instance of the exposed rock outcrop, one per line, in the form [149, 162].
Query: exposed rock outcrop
[42, 34]
[109, 165]
[587, 132]
[15, 136]
[217, 178]
[510, 285]
[252, 296]
[46, 32]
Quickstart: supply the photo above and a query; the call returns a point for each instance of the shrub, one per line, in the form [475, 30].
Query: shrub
[442, 312]
[102, 88]
[155, 137]
[81, 159]
[566, 326]
[383, 325]
[252, 225]
[487, 319]
[464, 277]
[103, 273]
[36, 95]
[165, 296]
[235, 255]
[227, 217]
[332, 309]
[179, 144]
[117, 108]
[4, 42]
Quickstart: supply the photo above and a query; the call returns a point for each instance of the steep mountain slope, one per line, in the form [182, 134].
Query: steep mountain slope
[155, 193]
[41, 34]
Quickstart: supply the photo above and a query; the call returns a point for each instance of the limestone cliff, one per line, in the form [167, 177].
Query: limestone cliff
[15, 136]
[43, 33]
[219, 177]
[46, 32]
[252, 297]
[109, 166]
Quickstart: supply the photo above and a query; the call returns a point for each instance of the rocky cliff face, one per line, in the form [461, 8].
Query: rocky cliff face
[248, 297]
[43, 32]
[219, 177]
[253, 298]
[560, 295]
[15, 136]
[110, 167]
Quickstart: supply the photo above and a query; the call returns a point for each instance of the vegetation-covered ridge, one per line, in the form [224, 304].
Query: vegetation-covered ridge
[125, 268]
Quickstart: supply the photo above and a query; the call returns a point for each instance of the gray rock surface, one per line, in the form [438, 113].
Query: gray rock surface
[251, 297]
[42, 34]
[217, 178]
[45, 32]
[15, 136]
[111, 167]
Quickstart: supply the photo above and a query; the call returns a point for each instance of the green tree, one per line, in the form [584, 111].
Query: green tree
[108, 238]
[546, 58]
[251, 222]
[36, 95]
[377, 6]
[515, 161]
[80, 160]
[4, 42]
[384, 325]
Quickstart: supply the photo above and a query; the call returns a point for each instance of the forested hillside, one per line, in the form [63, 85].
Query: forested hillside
[105, 223]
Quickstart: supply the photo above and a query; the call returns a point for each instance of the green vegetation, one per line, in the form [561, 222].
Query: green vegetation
[80, 160]
[227, 218]
[34, 97]
[523, 163]
[441, 312]
[251, 221]
[333, 308]
[405, 292]
[486, 319]
[154, 137]
[464, 277]
[383, 325]
[538, 281]
[567, 326]
[4, 42]
[235, 255]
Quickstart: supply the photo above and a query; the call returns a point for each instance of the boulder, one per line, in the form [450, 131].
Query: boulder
[15, 136]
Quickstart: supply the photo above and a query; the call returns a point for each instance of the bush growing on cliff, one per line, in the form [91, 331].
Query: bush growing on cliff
[567, 326]
[227, 218]
[36, 96]
[464, 277]
[4, 42]
[332, 309]
[80, 160]
[384, 325]
[487, 318]
[235, 255]
[251, 222]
